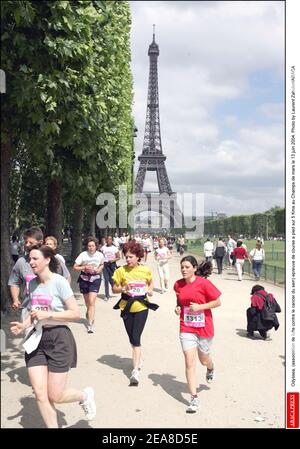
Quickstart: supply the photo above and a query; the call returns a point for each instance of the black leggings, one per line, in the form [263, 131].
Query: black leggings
[134, 324]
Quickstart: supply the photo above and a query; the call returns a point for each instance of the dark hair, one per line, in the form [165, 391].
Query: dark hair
[204, 269]
[239, 243]
[34, 232]
[134, 248]
[256, 288]
[91, 239]
[48, 253]
[190, 259]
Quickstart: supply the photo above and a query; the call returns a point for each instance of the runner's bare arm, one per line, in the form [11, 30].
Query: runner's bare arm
[194, 306]
[71, 314]
[15, 292]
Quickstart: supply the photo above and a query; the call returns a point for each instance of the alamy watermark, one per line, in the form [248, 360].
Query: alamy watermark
[155, 210]
[2, 82]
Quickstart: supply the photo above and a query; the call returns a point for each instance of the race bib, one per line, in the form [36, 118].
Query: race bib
[110, 256]
[41, 302]
[28, 278]
[137, 288]
[193, 319]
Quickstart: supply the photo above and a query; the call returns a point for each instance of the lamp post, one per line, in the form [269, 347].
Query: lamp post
[134, 134]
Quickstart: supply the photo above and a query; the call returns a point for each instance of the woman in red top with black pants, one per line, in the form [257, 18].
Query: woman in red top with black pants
[196, 296]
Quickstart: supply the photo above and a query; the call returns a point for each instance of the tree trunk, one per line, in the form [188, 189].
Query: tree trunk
[93, 222]
[77, 230]
[6, 261]
[55, 210]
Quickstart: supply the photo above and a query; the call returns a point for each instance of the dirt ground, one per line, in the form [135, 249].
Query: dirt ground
[248, 391]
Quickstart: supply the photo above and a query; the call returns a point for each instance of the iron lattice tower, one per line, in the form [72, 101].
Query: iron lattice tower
[152, 157]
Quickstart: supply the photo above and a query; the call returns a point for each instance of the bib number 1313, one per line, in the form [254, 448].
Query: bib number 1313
[193, 319]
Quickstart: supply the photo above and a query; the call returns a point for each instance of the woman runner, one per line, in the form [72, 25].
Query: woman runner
[196, 296]
[90, 263]
[135, 283]
[49, 344]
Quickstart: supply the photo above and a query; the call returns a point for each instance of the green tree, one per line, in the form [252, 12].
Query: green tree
[67, 102]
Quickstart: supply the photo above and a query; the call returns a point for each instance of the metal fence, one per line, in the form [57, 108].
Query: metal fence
[269, 272]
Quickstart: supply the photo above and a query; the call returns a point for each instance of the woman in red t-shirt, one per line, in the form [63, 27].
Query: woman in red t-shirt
[240, 255]
[196, 296]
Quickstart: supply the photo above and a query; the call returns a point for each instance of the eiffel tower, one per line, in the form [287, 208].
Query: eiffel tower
[152, 157]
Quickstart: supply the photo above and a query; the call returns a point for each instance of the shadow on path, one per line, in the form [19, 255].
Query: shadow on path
[283, 358]
[19, 375]
[242, 333]
[117, 362]
[31, 417]
[173, 387]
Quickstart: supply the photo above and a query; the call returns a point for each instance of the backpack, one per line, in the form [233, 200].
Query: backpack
[270, 308]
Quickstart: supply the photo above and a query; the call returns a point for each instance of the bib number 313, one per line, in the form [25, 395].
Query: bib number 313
[193, 319]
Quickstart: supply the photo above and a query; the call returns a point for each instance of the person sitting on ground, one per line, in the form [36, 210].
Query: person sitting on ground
[255, 321]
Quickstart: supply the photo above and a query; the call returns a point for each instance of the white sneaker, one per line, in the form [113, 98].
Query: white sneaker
[193, 405]
[210, 375]
[89, 405]
[90, 329]
[134, 378]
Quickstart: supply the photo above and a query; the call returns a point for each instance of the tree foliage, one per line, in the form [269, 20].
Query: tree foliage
[271, 222]
[69, 91]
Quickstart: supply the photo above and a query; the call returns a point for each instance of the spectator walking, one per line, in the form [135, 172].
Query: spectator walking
[231, 245]
[220, 252]
[257, 257]
[208, 250]
[240, 255]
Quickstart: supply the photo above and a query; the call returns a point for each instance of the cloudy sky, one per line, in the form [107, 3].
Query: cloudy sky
[221, 91]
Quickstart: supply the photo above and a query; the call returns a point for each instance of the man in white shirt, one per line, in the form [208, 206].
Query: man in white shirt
[208, 250]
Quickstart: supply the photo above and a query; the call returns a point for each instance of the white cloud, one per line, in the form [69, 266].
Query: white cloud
[208, 53]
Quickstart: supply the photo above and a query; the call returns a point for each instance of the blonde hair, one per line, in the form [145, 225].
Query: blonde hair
[50, 237]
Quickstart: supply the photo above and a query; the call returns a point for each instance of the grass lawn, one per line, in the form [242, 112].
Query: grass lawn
[275, 250]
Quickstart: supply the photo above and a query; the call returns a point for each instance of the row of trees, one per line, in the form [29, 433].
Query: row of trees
[269, 223]
[67, 126]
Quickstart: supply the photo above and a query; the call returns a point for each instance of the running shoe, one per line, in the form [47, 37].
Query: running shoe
[89, 405]
[193, 405]
[134, 378]
[210, 375]
[90, 329]
[264, 335]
